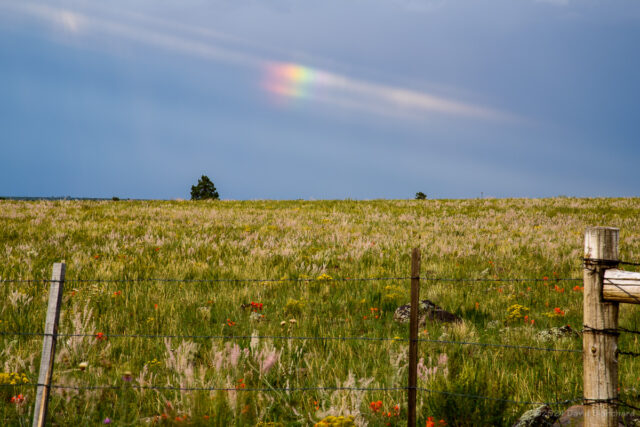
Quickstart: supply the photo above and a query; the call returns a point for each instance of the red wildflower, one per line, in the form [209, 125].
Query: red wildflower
[558, 311]
[17, 399]
[375, 406]
[100, 336]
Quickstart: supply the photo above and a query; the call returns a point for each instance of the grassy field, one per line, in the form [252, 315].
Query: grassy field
[490, 239]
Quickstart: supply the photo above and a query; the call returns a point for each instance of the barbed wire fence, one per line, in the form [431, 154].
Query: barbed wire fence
[404, 388]
[45, 386]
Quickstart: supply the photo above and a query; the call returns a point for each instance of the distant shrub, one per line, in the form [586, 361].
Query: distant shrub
[115, 199]
[420, 195]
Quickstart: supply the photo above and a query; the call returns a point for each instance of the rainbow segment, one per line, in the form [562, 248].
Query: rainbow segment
[292, 80]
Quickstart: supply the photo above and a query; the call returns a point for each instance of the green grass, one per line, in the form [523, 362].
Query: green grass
[299, 240]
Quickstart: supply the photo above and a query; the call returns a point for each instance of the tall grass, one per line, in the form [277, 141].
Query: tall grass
[289, 241]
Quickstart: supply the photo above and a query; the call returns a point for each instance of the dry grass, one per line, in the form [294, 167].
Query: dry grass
[298, 240]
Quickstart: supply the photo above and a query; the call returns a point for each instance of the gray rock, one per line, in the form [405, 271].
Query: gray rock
[538, 417]
[557, 333]
[426, 311]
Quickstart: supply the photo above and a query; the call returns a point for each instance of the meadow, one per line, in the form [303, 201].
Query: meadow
[298, 249]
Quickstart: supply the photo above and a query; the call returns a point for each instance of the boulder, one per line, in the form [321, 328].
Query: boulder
[427, 310]
[542, 416]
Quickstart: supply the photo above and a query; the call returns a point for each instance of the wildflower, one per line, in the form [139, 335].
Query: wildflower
[283, 323]
[375, 406]
[477, 305]
[126, 376]
[116, 294]
[83, 365]
[96, 256]
[545, 278]
[293, 321]
[558, 311]
[17, 399]
[231, 322]
[155, 306]
[430, 422]
[578, 288]
[241, 384]
[107, 421]
[100, 336]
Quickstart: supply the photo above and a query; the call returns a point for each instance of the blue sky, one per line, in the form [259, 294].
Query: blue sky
[335, 99]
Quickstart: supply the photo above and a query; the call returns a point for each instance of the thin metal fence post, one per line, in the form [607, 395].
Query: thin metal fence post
[413, 337]
[49, 345]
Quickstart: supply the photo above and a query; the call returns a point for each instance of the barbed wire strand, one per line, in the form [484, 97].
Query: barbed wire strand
[299, 280]
[290, 389]
[283, 337]
[613, 401]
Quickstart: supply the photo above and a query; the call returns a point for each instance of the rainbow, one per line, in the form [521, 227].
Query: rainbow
[291, 80]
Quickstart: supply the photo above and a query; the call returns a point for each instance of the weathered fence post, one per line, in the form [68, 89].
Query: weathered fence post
[49, 345]
[600, 340]
[413, 336]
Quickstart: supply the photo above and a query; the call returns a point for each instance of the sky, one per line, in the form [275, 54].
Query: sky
[332, 99]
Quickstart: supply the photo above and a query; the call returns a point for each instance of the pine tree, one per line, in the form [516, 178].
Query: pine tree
[204, 190]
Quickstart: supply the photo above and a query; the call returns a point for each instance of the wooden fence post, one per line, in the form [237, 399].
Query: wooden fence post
[413, 336]
[600, 340]
[49, 345]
